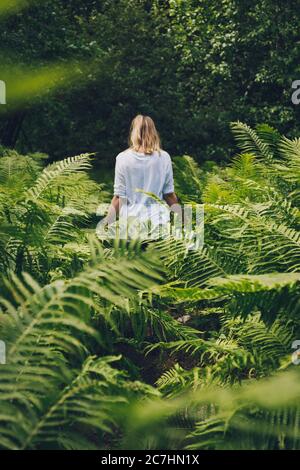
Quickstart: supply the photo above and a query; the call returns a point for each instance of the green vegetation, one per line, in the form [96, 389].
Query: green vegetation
[111, 345]
[115, 345]
[79, 71]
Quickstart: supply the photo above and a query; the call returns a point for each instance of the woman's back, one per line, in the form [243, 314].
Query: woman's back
[137, 173]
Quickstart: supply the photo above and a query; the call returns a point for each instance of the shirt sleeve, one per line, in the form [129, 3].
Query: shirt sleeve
[169, 180]
[119, 183]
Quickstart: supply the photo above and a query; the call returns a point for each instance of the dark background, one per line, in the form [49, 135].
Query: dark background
[194, 66]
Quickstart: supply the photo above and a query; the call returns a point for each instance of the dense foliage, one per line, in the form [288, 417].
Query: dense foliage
[193, 65]
[118, 345]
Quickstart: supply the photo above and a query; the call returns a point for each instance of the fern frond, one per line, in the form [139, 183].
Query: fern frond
[249, 141]
[56, 170]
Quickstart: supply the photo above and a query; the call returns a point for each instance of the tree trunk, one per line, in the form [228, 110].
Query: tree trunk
[11, 129]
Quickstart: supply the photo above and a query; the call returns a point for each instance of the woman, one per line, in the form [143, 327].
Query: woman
[143, 180]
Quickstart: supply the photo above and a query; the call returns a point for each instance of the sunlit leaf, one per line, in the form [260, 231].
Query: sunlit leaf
[12, 6]
[25, 85]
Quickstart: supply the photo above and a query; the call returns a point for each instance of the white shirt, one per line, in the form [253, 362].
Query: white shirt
[137, 173]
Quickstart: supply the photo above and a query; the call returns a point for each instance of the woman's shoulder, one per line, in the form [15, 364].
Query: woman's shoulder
[165, 154]
[123, 154]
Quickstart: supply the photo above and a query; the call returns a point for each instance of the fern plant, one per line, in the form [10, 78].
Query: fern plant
[54, 391]
[89, 325]
[42, 210]
[248, 273]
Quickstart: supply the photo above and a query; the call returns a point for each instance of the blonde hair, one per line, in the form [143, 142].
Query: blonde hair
[143, 135]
